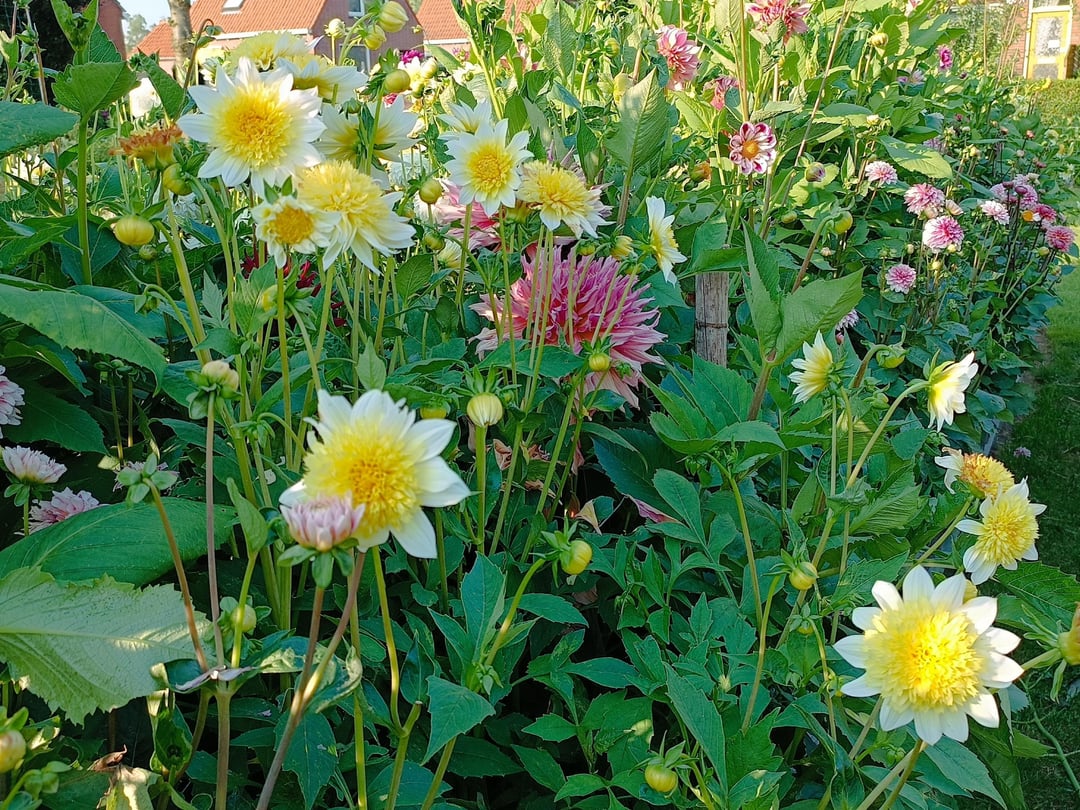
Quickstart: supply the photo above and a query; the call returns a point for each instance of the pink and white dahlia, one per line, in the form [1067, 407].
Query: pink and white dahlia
[322, 523]
[848, 320]
[912, 79]
[924, 200]
[60, 506]
[880, 172]
[11, 397]
[590, 302]
[900, 278]
[945, 58]
[753, 148]
[720, 90]
[449, 210]
[1060, 238]
[681, 53]
[31, 466]
[995, 210]
[942, 233]
[1045, 214]
[791, 14]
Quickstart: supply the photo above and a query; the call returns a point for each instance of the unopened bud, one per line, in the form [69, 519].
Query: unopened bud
[879, 40]
[221, 374]
[393, 17]
[375, 39]
[430, 191]
[335, 29]
[624, 247]
[815, 172]
[485, 409]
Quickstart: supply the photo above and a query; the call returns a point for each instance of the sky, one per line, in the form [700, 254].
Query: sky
[151, 10]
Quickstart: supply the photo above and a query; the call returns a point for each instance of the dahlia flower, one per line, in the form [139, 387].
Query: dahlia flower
[814, 366]
[264, 49]
[323, 523]
[333, 83]
[662, 238]
[912, 79]
[562, 198]
[753, 148]
[924, 200]
[374, 453]
[995, 210]
[931, 656]
[848, 320]
[945, 58]
[790, 13]
[942, 233]
[1060, 237]
[1045, 214]
[449, 210]
[31, 466]
[880, 172]
[256, 125]
[289, 226]
[12, 396]
[1006, 534]
[986, 475]
[60, 506]
[590, 302]
[900, 278]
[948, 382]
[721, 86]
[681, 53]
[485, 166]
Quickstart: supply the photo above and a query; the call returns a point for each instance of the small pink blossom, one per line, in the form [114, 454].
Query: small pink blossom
[11, 397]
[900, 278]
[880, 172]
[791, 14]
[848, 320]
[449, 210]
[912, 79]
[753, 148]
[1060, 237]
[61, 506]
[322, 523]
[31, 466]
[720, 90]
[1022, 452]
[1045, 214]
[924, 200]
[945, 58]
[681, 53]
[590, 301]
[995, 210]
[942, 233]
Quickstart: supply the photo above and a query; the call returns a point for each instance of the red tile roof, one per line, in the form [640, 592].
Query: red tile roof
[441, 24]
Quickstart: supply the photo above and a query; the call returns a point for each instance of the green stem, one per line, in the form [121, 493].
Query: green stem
[947, 533]
[760, 666]
[388, 633]
[883, 785]
[504, 629]
[762, 385]
[440, 772]
[751, 561]
[224, 698]
[286, 382]
[481, 487]
[912, 759]
[81, 202]
[399, 757]
[211, 557]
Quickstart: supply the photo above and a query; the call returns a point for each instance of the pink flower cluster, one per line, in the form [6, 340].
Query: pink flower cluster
[880, 172]
[681, 53]
[1018, 190]
[791, 14]
[1060, 238]
[942, 233]
[59, 507]
[924, 200]
[720, 90]
[753, 148]
[590, 301]
[900, 278]
[11, 398]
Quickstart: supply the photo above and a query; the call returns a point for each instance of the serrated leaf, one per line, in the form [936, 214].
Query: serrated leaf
[702, 720]
[312, 755]
[414, 275]
[643, 123]
[854, 586]
[963, 768]
[918, 158]
[454, 710]
[482, 597]
[891, 509]
[25, 125]
[551, 607]
[683, 498]
[88, 88]
[1047, 589]
[815, 307]
[85, 647]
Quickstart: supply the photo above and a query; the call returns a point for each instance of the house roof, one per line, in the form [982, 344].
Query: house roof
[252, 16]
[442, 26]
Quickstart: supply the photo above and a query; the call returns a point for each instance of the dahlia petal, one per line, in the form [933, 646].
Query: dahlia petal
[429, 437]
[969, 526]
[918, 585]
[195, 126]
[950, 593]
[1002, 671]
[334, 411]
[982, 610]
[1002, 641]
[886, 595]
[440, 484]
[293, 495]
[955, 725]
[983, 710]
[928, 727]
[417, 536]
[377, 538]
[891, 717]
[853, 649]
[863, 617]
[859, 688]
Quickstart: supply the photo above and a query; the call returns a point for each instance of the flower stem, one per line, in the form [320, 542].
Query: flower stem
[945, 534]
[913, 757]
[224, 698]
[883, 785]
[80, 185]
[399, 757]
[211, 556]
[481, 486]
[388, 634]
[440, 772]
[751, 561]
[760, 666]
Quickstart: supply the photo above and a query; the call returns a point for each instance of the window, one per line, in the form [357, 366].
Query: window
[232, 5]
[357, 8]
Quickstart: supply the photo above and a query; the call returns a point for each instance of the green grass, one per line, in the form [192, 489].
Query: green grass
[1052, 434]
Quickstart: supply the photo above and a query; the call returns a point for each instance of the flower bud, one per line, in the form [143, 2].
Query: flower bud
[789, 218]
[243, 617]
[576, 558]
[879, 40]
[815, 172]
[393, 17]
[322, 523]
[173, 180]
[267, 299]
[450, 254]
[936, 265]
[221, 374]
[1069, 641]
[12, 750]
[335, 29]
[434, 241]
[397, 81]
[434, 410]
[624, 247]
[429, 69]
[599, 362]
[485, 409]
[612, 47]
[375, 39]
[701, 171]
[133, 230]
[843, 222]
[148, 253]
[803, 576]
[430, 191]
[873, 119]
[909, 247]
[891, 356]
[619, 85]
[1043, 251]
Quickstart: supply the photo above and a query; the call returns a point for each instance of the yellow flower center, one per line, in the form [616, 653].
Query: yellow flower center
[923, 658]
[987, 475]
[292, 225]
[337, 186]
[372, 468]
[256, 127]
[489, 166]
[557, 190]
[1009, 529]
[750, 149]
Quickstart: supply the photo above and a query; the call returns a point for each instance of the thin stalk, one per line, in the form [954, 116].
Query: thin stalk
[759, 668]
[358, 720]
[883, 785]
[914, 758]
[504, 629]
[388, 633]
[947, 533]
[751, 561]
[83, 216]
[224, 698]
[440, 551]
[440, 772]
[870, 720]
[399, 757]
[283, 351]
[481, 486]
[211, 556]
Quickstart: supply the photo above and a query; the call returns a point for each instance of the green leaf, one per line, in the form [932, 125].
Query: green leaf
[963, 768]
[721, 392]
[58, 421]
[893, 507]
[482, 593]
[86, 89]
[84, 647]
[683, 498]
[815, 307]
[117, 540]
[312, 756]
[702, 720]
[414, 275]
[643, 123]
[761, 432]
[454, 710]
[763, 291]
[854, 587]
[26, 125]
[370, 369]
[1047, 589]
[551, 607]
[541, 766]
[918, 158]
[552, 728]
[79, 322]
[580, 784]
[170, 92]
[614, 673]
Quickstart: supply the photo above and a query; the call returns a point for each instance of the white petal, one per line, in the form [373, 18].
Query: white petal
[863, 617]
[377, 539]
[428, 437]
[891, 717]
[859, 688]
[853, 649]
[983, 710]
[955, 725]
[886, 595]
[928, 727]
[1001, 641]
[982, 610]
[918, 585]
[950, 593]
[334, 410]
[440, 484]
[1001, 671]
[417, 536]
[293, 495]
[969, 526]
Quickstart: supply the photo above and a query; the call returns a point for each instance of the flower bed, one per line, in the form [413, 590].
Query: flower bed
[566, 421]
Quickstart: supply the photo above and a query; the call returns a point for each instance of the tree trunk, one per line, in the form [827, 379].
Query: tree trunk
[180, 15]
[711, 315]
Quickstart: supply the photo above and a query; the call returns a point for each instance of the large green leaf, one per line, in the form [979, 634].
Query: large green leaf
[893, 507]
[1047, 589]
[26, 125]
[79, 322]
[918, 158]
[121, 541]
[763, 291]
[312, 755]
[482, 593]
[643, 123]
[85, 89]
[58, 421]
[815, 307]
[963, 768]
[454, 710]
[84, 647]
[702, 720]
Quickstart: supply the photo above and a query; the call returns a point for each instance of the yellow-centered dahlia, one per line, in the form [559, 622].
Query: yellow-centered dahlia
[335, 83]
[662, 238]
[485, 166]
[266, 48]
[289, 226]
[948, 382]
[931, 656]
[987, 476]
[814, 366]
[1006, 534]
[365, 220]
[153, 146]
[256, 125]
[376, 454]
[561, 197]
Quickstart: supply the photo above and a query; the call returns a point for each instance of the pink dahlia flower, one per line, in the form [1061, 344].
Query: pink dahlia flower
[1044, 214]
[449, 210]
[912, 79]
[1029, 197]
[1059, 237]
[720, 90]
[753, 148]
[924, 200]
[942, 233]
[31, 466]
[880, 172]
[790, 13]
[995, 210]
[848, 320]
[61, 506]
[945, 59]
[681, 53]
[590, 301]
[322, 523]
[900, 278]
[11, 397]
